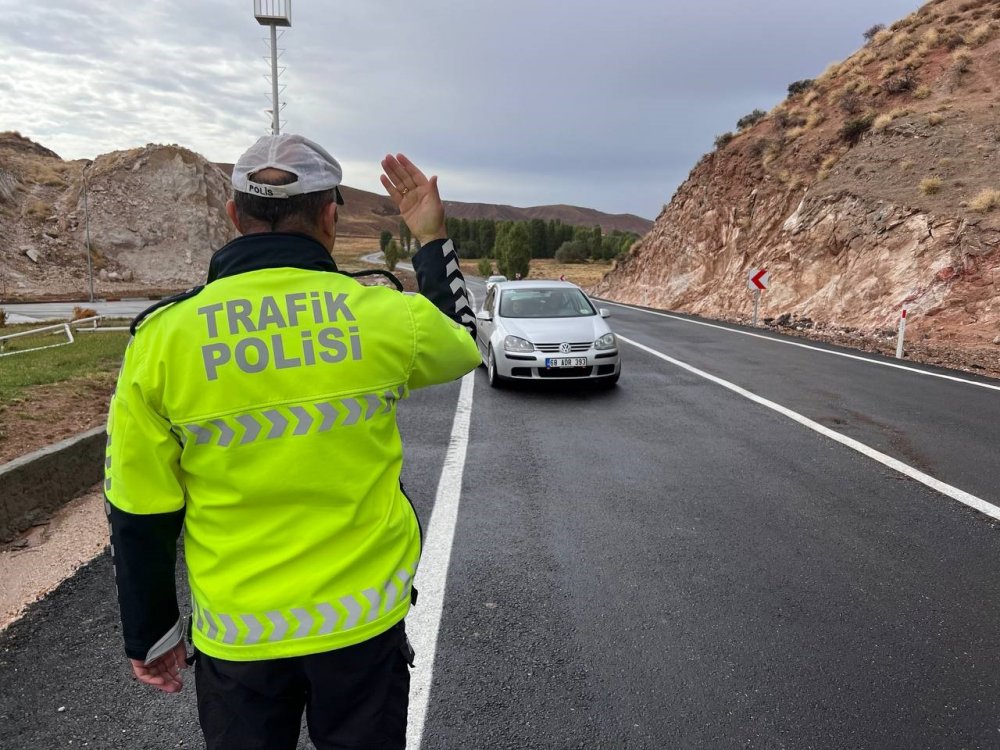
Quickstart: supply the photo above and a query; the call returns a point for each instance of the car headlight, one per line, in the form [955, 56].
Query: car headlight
[607, 341]
[515, 344]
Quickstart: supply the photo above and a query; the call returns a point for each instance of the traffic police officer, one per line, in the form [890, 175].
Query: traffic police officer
[258, 414]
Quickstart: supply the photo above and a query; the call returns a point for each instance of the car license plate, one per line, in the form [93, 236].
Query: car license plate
[566, 362]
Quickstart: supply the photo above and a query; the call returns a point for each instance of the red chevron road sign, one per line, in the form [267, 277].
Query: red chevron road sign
[758, 279]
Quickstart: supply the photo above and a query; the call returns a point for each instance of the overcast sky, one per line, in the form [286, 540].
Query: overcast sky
[524, 102]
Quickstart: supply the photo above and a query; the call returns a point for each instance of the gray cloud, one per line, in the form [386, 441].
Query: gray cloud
[606, 105]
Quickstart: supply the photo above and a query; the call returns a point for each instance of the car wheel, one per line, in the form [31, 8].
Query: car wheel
[491, 370]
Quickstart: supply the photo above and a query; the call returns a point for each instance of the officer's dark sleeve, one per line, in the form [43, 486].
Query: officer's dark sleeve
[145, 507]
[440, 280]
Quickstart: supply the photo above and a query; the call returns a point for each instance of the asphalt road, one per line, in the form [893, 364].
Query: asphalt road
[669, 564]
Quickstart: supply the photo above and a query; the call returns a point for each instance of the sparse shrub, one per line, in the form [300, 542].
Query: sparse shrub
[863, 58]
[899, 84]
[79, 313]
[954, 40]
[922, 92]
[773, 150]
[906, 165]
[751, 119]
[849, 102]
[38, 210]
[935, 118]
[797, 87]
[882, 37]
[571, 252]
[881, 122]
[760, 147]
[856, 127]
[931, 37]
[721, 141]
[810, 97]
[827, 166]
[785, 119]
[815, 118]
[979, 35]
[831, 70]
[795, 132]
[961, 62]
[873, 31]
[485, 267]
[3, 317]
[985, 201]
[930, 185]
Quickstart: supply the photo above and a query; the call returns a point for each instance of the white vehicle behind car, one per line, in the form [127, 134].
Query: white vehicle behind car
[545, 330]
[496, 278]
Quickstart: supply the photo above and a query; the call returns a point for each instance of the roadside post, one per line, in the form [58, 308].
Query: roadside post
[757, 281]
[902, 333]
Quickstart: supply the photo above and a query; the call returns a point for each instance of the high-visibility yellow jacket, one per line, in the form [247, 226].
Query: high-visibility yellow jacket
[258, 412]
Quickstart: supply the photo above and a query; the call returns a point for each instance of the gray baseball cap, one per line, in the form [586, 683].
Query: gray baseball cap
[315, 169]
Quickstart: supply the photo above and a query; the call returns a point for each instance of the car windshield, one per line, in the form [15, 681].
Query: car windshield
[545, 303]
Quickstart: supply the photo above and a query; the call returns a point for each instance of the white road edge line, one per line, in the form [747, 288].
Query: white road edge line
[805, 346]
[935, 484]
[425, 619]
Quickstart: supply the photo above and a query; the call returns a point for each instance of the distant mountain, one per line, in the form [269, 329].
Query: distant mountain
[573, 215]
[367, 214]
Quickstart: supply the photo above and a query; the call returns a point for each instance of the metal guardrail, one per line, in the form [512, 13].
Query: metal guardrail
[66, 328]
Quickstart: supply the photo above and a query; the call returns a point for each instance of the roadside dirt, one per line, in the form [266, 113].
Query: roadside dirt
[50, 413]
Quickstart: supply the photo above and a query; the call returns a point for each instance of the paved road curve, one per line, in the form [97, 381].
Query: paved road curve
[669, 564]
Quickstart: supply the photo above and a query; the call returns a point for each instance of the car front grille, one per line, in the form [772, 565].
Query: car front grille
[577, 346]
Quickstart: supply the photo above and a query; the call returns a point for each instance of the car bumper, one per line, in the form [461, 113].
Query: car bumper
[600, 364]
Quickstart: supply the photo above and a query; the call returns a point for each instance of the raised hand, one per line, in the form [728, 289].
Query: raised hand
[416, 197]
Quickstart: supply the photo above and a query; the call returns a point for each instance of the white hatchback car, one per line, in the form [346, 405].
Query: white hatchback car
[545, 330]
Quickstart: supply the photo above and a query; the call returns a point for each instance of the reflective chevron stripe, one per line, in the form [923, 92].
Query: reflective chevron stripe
[290, 421]
[459, 291]
[323, 618]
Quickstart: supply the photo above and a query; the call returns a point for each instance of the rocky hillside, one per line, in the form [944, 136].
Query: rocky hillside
[873, 187]
[156, 215]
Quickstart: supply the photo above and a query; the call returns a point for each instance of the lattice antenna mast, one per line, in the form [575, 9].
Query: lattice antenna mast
[274, 13]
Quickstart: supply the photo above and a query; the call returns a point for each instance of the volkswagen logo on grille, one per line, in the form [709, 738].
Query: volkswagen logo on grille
[565, 348]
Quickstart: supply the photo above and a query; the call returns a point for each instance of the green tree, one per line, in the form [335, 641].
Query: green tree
[536, 235]
[513, 249]
[404, 237]
[383, 239]
[393, 252]
[487, 231]
[484, 267]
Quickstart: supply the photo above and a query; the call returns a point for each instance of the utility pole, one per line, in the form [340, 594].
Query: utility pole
[86, 223]
[274, 13]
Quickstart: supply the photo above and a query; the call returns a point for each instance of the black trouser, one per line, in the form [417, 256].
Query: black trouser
[354, 697]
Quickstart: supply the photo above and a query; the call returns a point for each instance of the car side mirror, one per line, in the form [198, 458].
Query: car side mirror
[605, 313]
[484, 315]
